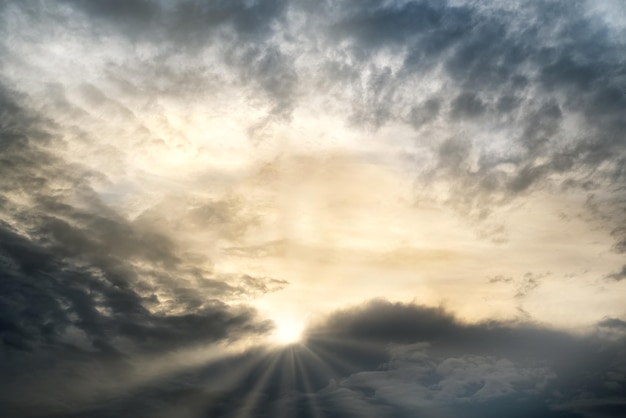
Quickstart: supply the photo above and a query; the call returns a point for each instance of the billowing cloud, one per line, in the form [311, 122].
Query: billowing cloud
[432, 363]
[82, 284]
[183, 183]
[392, 369]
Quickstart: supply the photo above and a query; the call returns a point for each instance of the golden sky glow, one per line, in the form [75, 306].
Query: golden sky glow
[344, 197]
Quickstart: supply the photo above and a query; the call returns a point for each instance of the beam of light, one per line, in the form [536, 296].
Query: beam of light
[225, 379]
[287, 377]
[359, 345]
[309, 393]
[137, 373]
[334, 362]
[233, 376]
[290, 374]
[319, 362]
[251, 400]
[341, 339]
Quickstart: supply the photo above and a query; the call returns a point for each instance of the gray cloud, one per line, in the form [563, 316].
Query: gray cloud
[612, 323]
[389, 368]
[620, 275]
[84, 287]
[503, 71]
[522, 72]
[439, 365]
[81, 284]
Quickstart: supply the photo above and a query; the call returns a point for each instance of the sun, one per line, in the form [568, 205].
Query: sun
[287, 331]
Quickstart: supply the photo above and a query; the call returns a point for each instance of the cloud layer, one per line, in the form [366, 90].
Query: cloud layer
[178, 179]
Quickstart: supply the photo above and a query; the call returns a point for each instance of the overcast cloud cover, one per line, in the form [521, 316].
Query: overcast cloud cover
[427, 197]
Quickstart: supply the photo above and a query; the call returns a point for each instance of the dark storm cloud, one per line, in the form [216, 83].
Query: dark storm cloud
[433, 362]
[400, 360]
[384, 322]
[467, 105]
[522, 72]
[80, 284]
[83, 288]
[612, 323]
[542, 61]
[242, 30]
[424, 112]
[186, 20]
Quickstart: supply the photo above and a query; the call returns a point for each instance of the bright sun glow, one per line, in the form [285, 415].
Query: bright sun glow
[288, 331]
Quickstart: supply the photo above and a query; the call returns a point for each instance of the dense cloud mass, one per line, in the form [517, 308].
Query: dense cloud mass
[436, 365]
[396, 360]
[428, 196]
[80, 282]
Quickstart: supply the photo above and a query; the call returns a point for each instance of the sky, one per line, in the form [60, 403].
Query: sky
[312, 208]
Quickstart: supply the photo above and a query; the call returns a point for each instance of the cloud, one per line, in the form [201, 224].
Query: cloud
[554, 113]
[615, 323]
[503, 73]
[83, 284]
[413, 380]
[436, 364]
[383, 322]
[136, 229]
[474, 370]
[618, 275]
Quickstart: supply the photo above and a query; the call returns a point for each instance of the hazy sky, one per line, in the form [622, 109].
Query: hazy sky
[427, 197]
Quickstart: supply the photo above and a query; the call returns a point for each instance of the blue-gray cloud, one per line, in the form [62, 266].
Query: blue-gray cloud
[531, 96]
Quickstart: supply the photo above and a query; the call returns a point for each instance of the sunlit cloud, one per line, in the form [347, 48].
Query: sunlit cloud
[312, 208]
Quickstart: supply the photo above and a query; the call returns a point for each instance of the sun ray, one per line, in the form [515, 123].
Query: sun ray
[251, 400]
[309, 393]
[286, 377]
[231, 375]
[352, 342]
[341, 364]
[320, 362]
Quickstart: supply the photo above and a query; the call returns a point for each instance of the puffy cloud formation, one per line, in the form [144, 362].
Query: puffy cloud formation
[179, 179]
[380, 359]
